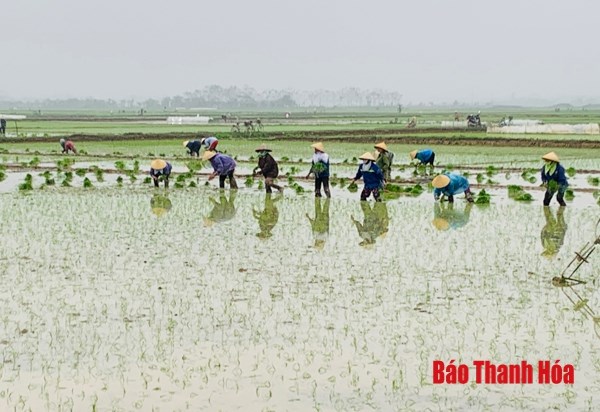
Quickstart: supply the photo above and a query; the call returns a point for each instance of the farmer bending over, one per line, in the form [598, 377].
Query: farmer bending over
[372, 176]
[267, 166]
[67, 146]
[210, 143]
[193, 147]
[223, 166]
[425, 156]
[158, 168]
[554, 179]
[320, 168]
[450, 184]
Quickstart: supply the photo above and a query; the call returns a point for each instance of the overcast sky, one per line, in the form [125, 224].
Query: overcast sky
[428, 50]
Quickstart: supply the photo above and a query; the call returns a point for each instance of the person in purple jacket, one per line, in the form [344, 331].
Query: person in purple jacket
[159, 168]
[223, 166]
[554, 179]
[450, 184]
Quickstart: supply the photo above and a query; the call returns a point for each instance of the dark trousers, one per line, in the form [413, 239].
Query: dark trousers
[468, 196]
[364, 195]
[232, 182]
[560, 196]
[166, 180]
[322, 181]
[269, 183]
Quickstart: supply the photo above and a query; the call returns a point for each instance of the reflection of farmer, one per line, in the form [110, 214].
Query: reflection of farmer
[160, 205]
[193, 147]
[445, 217]
[67, 146]
[554, 179]
[223, 166]
[376, 222]
[320, 224]
[158, 168]
[267, 219]
[553, 232]
[222, 211]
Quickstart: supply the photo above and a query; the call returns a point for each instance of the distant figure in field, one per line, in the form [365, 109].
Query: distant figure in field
[413, 123]
[320, 168]
[3, 127]
[158, 168]
[456, 117]
[425, 156]
[210, 143]
[450, 184]
[193, 147]
[554, 179]
[67, 146]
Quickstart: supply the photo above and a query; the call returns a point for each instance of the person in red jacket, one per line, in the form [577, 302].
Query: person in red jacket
[67, 146]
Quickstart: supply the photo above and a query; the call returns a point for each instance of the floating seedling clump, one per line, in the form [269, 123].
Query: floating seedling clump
[483, 198]
[517, 193]
[352, 187]
[27, 183]
[571, 171]
[87, 183]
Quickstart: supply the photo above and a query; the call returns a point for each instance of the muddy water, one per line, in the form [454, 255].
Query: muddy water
[250, 303]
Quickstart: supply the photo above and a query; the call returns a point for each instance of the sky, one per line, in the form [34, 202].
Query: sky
[428, 50]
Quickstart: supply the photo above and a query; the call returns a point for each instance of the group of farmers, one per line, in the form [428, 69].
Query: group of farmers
[374, 170]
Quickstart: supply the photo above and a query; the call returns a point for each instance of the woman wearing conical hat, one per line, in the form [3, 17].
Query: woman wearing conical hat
[371, 175]
[320, 168]
[425, 156]
[554, 179]
[158, 168]
[210, 143]
[193, 147]
[384, 160]
[223, 166]
[450, 184]
[268, 167]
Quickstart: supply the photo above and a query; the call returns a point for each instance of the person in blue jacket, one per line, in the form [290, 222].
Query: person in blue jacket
[193, 147]
[159, 168]
[554, 179]
[450, 184]
[425, 156]
[372, 176]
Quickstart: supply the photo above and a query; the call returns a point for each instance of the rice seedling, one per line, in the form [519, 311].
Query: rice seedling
[27, 183]
[594, 181]
[87, 183]
[571, 171]
[482, 198]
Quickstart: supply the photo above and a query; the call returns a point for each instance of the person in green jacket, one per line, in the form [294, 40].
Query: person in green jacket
[384, 160]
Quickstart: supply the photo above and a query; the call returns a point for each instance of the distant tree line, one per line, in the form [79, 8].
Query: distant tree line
[219, 97]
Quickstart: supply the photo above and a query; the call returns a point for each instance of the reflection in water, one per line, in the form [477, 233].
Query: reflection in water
[376, 222]
[267, 219]
[320, 224]
[222, 210]
[553, 232]
[579, 303]
[446, 217]
[160, 205]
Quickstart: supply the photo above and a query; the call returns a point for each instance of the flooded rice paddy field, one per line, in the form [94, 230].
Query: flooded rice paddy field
[137, 299]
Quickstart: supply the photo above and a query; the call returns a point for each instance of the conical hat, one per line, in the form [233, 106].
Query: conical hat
[208, 222]
[319, 146]
[208, 155]
[440, 224]
[440, 181]
[158, 164]
[551, 156]
[262, 148]
[381, 145]
[413, 154]
[367, 156]
[159, 211]
[185, 143]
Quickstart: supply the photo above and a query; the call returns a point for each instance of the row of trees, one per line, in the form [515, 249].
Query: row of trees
[228, 98]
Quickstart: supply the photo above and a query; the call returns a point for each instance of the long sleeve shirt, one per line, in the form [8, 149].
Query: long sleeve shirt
[373, 177]
[222, 164]
[424, 155]
[166, 171]
[384, 161]
[458, 184]
[268, 166]
[558, 175]
[210, 143]
[194, 146]
[320, 165]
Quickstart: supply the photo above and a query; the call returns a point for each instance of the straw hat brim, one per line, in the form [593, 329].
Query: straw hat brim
[208, 155]
[553, 157]
[158, 164]
[381, 146]
[185, 143]
[159, 211]
[440, 181]
[262, 148]
[319, 146]
[413, 154]
[367, 156]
